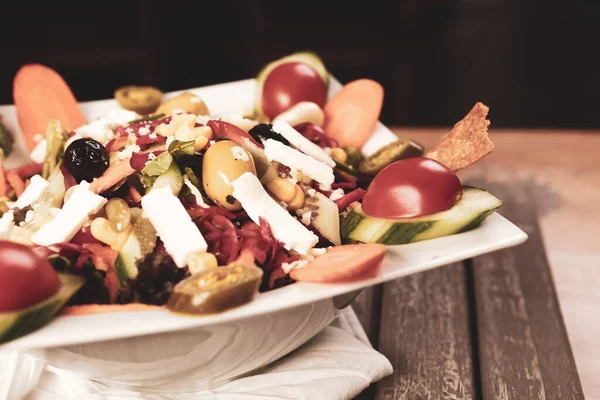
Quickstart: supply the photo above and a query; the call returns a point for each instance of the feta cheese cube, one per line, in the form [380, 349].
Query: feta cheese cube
[74, 214]
[297, 140]
[248, 190]
[310, 167]
[181, 237]
[32, 192]
[101, 129]
[38, 154]
[336, 194]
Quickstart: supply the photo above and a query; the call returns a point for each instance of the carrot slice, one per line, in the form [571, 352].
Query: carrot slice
[352, 113]
[16, 182]
[41, 94]
[343, 263]
[88, 309]
[112, 176]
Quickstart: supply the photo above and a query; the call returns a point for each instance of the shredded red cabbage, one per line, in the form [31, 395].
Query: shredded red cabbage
[68, 178]
[316, 134]
[116, 144]
[147, 139]
[344, 185]
[138, 160]
[355, 195]
[28, 170]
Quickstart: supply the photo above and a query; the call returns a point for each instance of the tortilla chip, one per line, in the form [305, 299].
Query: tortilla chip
[467, 142]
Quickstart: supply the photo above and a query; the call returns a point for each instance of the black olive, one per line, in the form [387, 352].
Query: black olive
[86, 159]
[262, 132]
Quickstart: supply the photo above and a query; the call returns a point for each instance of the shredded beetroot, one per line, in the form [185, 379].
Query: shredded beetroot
[116, 144]
[151, 125]
[343, 185]
[355, 195]
[84, 236]
[138, 160]
[28, 170]
[316, 134]
[68, 178]
[145, 140]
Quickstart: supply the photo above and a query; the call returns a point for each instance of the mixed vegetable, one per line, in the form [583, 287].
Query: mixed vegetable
[161, 203]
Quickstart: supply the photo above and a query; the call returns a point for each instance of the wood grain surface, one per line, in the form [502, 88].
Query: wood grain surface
[425, 334]
[524, 351]
[513, 332]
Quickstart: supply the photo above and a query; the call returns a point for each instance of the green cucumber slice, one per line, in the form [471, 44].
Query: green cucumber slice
[15, 324]
[475, 205]
[327, 221]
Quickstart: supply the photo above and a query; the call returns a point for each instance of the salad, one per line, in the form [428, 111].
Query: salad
[162, 204]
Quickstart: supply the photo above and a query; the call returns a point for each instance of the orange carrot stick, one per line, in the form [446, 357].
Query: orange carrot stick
[112, 176]
[41, 94]
[352, 113]
[343, 263]
[16, 182]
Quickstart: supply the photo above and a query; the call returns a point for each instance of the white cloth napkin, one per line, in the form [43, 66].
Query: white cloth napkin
[337, 364]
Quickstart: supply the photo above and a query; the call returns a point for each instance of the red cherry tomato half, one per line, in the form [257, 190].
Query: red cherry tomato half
[410, 188]
[289, 84]
[25, 278]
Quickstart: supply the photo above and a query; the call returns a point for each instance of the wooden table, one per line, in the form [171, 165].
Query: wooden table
[522, 323]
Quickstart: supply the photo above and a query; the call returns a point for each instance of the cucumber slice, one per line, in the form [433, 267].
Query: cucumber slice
[327, 221]
[125, 265]
[172, 178]
[15, 324]
[475, 205]
[139, 244]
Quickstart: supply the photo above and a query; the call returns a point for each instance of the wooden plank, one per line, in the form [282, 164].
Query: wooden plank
[425, 333]
[524, 349]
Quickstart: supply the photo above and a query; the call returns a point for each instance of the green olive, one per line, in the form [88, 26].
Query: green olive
[223, 163]
[216, 289]
[393, 152]
[141, 99]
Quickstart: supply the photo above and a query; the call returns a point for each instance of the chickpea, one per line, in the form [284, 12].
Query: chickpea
[298, 200]
[283, 189]
[102, 231]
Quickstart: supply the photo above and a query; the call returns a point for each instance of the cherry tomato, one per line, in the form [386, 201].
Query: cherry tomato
[289, 84]
[413, 187]
[25, 278]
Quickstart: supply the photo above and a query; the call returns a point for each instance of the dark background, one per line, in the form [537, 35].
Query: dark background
[534, 63]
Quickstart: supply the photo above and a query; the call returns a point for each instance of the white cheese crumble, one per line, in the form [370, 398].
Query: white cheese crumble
[38, 137]
[297, 140]
[288, 267]
[309, 166]
[32, 192]
[28, 218]
[336, 194]
[144, 130]
[38, 154]
[101, 129]
[128, 151]
[239, 154]
[248, 190]
[306, 218]
[181, 237]
[311, 192]
[74, 214]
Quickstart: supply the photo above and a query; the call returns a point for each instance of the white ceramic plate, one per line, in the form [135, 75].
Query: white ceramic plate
[237, 97]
